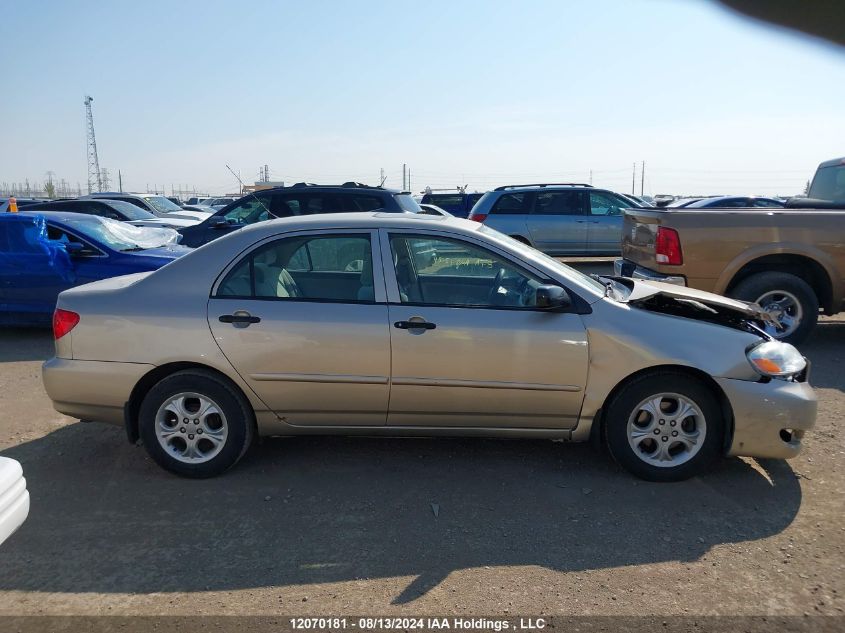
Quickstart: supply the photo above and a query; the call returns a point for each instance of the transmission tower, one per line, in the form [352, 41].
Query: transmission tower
[95, 182]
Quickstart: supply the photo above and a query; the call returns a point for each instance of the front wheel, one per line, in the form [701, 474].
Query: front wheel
[194, 424]
[664, 426]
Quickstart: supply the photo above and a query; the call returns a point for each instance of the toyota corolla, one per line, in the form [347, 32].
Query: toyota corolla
[420, 325]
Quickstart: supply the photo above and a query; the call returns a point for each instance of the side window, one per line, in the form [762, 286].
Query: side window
[250, 210]
[559, 203]
[362, 203]
[605, 204]
[102, 210]
[512, 204]
[60, 235]
[768, 204]
[326, 268]
[454, 273]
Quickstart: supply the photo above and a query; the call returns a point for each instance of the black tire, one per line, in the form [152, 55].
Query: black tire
[627, 400]
[757, 285]
[239, 420]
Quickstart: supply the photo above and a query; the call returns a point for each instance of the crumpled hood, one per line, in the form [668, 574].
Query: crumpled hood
[644, 290]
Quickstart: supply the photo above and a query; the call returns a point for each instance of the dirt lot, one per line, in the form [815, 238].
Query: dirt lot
[334, 526]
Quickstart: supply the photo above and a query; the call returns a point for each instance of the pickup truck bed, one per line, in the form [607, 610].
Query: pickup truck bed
[792, 261]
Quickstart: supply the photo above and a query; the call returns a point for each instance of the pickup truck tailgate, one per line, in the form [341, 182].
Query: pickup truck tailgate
[639, 229]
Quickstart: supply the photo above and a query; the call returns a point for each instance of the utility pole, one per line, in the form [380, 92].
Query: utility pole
[634, 180]
[642, 179]
[95, 183]
[409, 179]
[119, 181]
[49, 188]
[403, 176]
[105, 180]
[381, 177]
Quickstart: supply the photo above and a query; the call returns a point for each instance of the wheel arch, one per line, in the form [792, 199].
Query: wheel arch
[151, 378]
[597, 430]
[804, 266]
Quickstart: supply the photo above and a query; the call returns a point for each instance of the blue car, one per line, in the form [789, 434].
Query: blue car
[42, 255]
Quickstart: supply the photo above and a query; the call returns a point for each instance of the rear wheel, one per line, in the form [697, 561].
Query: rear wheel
[194, 424]
[664, 426]
[789, 299]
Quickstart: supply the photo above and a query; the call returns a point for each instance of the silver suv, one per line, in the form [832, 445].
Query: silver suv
[558, 219]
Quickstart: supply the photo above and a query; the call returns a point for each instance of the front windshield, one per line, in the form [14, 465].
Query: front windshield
[829, 184]
[120, 236]
[560, 267]
[162, 204]
[129, 210]
[407, 203]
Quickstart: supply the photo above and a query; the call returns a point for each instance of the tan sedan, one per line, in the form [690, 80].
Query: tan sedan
[419, 325]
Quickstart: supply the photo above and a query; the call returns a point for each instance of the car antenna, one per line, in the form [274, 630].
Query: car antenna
[252, 193]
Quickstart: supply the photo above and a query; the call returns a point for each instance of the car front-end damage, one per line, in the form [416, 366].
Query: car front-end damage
[768, 399]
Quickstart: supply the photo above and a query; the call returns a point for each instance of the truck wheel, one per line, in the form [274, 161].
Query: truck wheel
[194, 424]
[664, 426]
[788, 298]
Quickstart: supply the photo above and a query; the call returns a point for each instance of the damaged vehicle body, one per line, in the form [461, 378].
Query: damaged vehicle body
[399, 324]
[43, 254]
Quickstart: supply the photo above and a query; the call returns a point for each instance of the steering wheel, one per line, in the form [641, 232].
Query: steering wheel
[526, 292]
[494, 289]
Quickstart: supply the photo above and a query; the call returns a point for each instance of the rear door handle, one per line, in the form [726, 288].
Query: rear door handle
[239, 318]
[414, 325]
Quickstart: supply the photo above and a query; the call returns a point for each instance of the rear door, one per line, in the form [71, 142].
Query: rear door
[558, 222]
[604, 231]
[303, 320]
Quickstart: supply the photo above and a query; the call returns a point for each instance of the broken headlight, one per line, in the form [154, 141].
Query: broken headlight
[776, 359]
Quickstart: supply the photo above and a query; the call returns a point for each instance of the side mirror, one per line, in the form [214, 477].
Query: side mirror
[552, 298]
[218, 222]
[74, 248]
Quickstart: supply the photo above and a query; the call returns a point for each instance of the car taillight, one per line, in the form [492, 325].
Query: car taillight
[63, 322]
[477, 217]
[667, 247]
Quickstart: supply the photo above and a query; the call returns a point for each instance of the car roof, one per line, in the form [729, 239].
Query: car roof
[550, 185]
[349, 187]
[833, 162]
[62, 216]
[361, 220]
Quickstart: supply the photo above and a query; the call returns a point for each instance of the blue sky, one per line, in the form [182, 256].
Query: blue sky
[464, 92]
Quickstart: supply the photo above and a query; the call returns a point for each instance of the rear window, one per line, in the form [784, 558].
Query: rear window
[829, 184]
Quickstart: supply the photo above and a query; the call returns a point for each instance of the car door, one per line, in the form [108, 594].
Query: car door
[303, 320]
[558, 222]
[468, 349]
[604, 230]
[34, 269]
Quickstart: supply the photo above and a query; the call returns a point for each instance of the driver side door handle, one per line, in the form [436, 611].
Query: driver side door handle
[414, 325]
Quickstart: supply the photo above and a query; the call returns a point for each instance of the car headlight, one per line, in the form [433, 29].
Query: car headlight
[776, 359]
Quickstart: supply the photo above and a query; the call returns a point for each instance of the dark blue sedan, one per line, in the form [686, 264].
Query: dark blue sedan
[41, 255]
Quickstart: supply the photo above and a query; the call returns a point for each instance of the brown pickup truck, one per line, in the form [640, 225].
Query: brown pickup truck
[790, 261]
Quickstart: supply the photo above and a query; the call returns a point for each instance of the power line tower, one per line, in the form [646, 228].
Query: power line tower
[95, 182]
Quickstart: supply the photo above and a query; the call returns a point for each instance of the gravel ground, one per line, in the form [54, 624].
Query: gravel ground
[337, 526]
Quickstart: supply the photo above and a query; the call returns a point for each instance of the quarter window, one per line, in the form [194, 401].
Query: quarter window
[324, 268]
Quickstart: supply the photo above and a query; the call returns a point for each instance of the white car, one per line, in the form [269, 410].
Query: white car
[14, 497]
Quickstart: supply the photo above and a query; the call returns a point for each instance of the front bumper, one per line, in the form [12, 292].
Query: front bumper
[625, 268]
[770, 419]
[90, 389]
